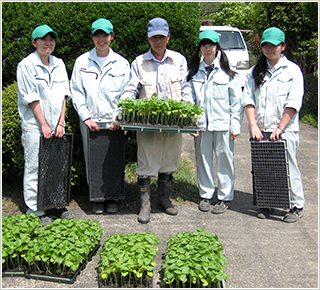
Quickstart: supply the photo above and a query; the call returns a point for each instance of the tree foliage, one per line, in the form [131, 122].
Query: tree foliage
[299, 21]
[72, 21]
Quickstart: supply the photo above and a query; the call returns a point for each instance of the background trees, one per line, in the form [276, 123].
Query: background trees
[72, 21]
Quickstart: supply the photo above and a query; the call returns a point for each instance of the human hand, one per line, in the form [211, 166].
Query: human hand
[59, 131]
[46, 131]
[194, 134]
[256, 133]
[93, 126]
[114, 127]
[275, 135]
[233, 136]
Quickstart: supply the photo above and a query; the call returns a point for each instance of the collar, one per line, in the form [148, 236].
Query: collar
[168, 54]
[93, 55]
[39, 62]
[282, 62]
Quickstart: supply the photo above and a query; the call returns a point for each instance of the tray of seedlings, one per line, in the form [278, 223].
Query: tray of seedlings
[127, 260]
[61, 250]
[159, 115]
[17, 232]
[194, 260]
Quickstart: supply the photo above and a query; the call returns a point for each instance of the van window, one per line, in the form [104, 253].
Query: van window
[231, 40]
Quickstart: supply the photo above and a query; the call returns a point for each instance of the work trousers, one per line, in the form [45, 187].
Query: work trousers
[30, 143]
[158, 153]
[221, 144]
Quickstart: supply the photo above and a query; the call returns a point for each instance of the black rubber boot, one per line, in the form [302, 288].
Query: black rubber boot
[164, 190]
[144, 192]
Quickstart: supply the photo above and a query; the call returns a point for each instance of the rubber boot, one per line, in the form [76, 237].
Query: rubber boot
[164, 190]
[144, 192]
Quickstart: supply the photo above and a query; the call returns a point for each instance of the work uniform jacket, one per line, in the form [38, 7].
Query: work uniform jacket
[220, 97]
[48, 85]
[281, 89]
[96, 90]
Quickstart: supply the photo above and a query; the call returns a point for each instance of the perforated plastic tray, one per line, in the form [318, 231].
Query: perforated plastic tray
[270, 174]
[158, 128]
[54, 172]
[106, 165]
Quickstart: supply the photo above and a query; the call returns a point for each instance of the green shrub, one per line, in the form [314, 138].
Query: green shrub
[12, 151]
[310, 99]
[72, 21]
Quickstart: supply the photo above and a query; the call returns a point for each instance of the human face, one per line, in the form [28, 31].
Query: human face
[209, 52]
[273, 52]
[102, 42]
[158, 45]
[45, 46]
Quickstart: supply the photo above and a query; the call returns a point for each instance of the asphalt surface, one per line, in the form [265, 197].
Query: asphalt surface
[260, 253]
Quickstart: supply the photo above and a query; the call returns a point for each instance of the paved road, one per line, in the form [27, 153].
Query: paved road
[260, 253]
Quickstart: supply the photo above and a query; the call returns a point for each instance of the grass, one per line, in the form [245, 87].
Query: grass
[184, 184]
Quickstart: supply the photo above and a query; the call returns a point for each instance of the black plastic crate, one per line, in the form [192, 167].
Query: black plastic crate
[270, 174]
[106, 165]
[54, 173]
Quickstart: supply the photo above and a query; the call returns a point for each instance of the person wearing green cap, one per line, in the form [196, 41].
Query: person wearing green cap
[97, 80]
[215, 87]
[272, 99]
[43, 89]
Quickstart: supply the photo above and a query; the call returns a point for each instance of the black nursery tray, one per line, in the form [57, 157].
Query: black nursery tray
[13, 273]
[62, 279]
[157, 128]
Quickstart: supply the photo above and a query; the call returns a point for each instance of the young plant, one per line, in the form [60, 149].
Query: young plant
[163, 112]
[128, 260]
[194, 260]
[61, 247]
[17, 232]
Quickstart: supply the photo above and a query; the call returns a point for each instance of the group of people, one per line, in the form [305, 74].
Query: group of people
[272, 98]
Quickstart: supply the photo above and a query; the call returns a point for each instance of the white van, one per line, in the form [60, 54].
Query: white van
[233, 44]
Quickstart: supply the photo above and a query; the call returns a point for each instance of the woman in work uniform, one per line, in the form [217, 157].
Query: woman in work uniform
[272, 99]
[215, 87]
[97, 81]
[43, 89]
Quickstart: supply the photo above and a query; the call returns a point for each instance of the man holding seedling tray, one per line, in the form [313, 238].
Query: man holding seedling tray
[164, 72]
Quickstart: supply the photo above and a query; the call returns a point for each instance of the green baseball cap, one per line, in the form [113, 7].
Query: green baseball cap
[42, 31]
[273, 35]
[209, 34]
[102, 24]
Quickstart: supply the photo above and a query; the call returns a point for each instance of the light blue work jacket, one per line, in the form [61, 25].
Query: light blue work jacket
[281, 89]
[48, 85]
[96, 90]
[220, 95]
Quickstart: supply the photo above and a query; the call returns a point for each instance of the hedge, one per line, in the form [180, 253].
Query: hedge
[72, 21]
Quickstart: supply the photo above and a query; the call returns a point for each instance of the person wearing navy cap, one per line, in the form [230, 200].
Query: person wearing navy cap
[273, 96]
[43, 89]
[97, 80]
[164, 72]
[215, 87]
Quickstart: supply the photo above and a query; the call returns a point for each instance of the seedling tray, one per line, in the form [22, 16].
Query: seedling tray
[13, 273]
[158, 128]
[54, 172]
[106, 165]
[62, 279]
[270, 174]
